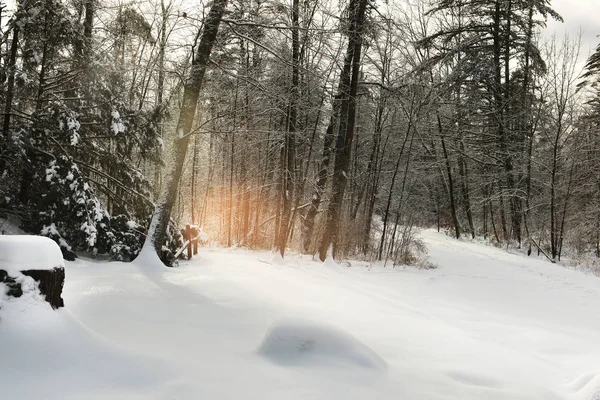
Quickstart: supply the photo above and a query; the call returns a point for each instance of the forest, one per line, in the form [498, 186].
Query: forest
[323, 127]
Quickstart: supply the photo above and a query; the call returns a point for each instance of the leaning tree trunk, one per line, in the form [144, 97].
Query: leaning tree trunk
[162, 214]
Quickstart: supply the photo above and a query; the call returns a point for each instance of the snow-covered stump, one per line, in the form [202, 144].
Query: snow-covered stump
[37, 257]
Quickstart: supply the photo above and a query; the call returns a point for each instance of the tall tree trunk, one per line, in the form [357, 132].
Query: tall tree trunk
[160, 85]
[194, 160]
[290, 139]
[372, 175]
[464, 172]
[502, 99]
[450, 179]
[387, 212]
[230, 201]
[401, 199]
[501, 190]
[313, 209]
[10, 84]
[563, 218]
[343, 148]
[463, 168]
[498, 111]
[527, 132]
[162, 214]
[88, 25]
[554, 234]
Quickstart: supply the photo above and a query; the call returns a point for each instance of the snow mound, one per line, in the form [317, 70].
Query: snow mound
[330, 262]
[26, 252]
[296, 343]
[587, 386]
[148, 260]
[277, 259]
[54, 348]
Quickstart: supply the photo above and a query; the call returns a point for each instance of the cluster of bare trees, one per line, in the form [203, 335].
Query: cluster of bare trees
[321, 126]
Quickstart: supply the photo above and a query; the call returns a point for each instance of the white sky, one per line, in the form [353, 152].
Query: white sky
[578, 15]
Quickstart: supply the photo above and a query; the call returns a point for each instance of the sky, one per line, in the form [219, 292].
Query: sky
[577, 14]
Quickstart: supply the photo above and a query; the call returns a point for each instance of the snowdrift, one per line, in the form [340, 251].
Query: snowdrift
[306, 343]
[49, 354]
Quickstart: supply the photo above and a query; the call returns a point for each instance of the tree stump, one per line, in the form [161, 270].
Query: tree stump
[37, 257]
[50, 283]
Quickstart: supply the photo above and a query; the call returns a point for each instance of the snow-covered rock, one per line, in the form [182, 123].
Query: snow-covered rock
[298, 342]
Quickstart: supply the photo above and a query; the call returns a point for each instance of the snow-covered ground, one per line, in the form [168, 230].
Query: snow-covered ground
[231, 324]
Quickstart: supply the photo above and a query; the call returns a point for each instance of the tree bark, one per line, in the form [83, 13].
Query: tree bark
[450, 180]
[343, 148]
[290, 137]
[160, 219]
[10, 84]
[50, 283]
[313, 209]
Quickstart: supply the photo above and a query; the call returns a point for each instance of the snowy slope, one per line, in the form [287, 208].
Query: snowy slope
[231, 324]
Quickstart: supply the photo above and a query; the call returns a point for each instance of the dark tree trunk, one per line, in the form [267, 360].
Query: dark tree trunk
[526, 125]
[231, 170]
[498, 100]
[450, 180]
[313, 209]
[386, 213]
[10, 88]
[194, 159]
[290, 137]
[160, 219]
[464, 172]
[343, 148]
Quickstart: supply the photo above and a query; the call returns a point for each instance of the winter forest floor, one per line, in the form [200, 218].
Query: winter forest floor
[485, 325]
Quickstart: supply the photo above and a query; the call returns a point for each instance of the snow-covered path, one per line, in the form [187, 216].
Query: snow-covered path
[485, 325]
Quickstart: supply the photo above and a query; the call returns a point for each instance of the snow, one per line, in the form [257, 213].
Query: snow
[116, 126]
[201, 233]
[308, 343]
[486, 324]
[132, 225]
[50, 354]
[25, 252]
